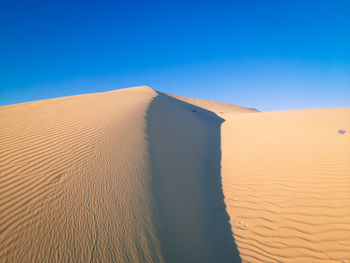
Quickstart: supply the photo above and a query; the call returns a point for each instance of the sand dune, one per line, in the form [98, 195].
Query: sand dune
[134, 175]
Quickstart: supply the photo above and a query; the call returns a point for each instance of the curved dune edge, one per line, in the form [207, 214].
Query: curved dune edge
[185, 159]
[134, 175]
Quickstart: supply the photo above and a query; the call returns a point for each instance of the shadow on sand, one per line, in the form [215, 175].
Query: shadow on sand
[185, 156]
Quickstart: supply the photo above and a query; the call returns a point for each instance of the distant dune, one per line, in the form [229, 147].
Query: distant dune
[136, 175]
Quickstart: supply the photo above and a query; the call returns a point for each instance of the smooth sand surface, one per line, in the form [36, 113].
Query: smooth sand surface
[134, 175]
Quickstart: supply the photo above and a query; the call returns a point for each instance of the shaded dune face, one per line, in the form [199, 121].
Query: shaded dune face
[184, 143]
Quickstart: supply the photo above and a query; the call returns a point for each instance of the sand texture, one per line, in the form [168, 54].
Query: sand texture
[286, 181]
[74, 180]
[136, 175]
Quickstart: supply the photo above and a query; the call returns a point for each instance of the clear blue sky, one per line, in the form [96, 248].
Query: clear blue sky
[271, 55]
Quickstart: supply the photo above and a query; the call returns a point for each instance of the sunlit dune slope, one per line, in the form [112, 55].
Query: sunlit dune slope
[286, 181]
[75, 182]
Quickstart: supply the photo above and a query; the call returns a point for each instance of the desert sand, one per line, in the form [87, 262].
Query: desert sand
[136, 175]
[286, 181]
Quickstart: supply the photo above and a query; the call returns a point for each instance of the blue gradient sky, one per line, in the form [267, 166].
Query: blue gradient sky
[271, 55]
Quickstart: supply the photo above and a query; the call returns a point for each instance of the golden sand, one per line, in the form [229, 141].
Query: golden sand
[134, 175]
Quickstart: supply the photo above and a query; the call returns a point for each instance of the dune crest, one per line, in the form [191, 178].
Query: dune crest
[219, 108]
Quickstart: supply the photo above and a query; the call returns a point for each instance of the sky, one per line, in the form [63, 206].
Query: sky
[269, 55]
